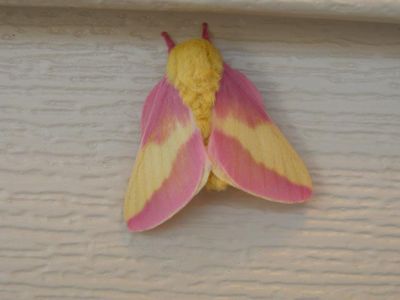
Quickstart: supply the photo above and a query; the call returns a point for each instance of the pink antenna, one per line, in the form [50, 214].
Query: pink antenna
[205, 34]
[170, 43]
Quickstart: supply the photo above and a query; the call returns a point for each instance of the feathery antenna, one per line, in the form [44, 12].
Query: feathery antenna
[205, 34]
[170, 43]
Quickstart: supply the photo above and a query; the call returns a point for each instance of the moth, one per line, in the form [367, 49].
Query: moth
[204, 124]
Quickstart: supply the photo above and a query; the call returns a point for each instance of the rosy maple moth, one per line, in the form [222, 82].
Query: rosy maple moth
[204, 124]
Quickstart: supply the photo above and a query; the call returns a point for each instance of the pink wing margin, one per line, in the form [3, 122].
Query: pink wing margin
[248, 150]
[171, 165]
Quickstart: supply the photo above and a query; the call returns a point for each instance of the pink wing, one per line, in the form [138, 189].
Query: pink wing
[248, 151]
[171, 165]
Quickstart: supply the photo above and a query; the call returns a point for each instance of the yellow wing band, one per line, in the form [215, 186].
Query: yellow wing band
[153, 166]
[267, 145]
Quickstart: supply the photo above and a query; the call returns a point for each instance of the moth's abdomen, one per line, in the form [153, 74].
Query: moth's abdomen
[201, 106]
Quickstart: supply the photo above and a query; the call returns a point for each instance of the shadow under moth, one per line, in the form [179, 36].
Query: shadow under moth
[204, 124]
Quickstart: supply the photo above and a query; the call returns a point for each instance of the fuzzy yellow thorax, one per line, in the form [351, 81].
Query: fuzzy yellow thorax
[195, 68]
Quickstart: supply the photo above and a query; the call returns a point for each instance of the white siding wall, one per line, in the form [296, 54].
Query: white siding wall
[72, 83]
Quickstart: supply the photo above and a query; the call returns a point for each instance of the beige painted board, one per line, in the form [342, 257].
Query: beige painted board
[387, 11]
[72, 84]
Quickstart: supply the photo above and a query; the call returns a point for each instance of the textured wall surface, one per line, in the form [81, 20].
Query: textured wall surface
[368, 10]
[72, 83]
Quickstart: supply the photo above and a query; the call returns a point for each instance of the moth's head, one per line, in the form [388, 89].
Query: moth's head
[194, 63]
